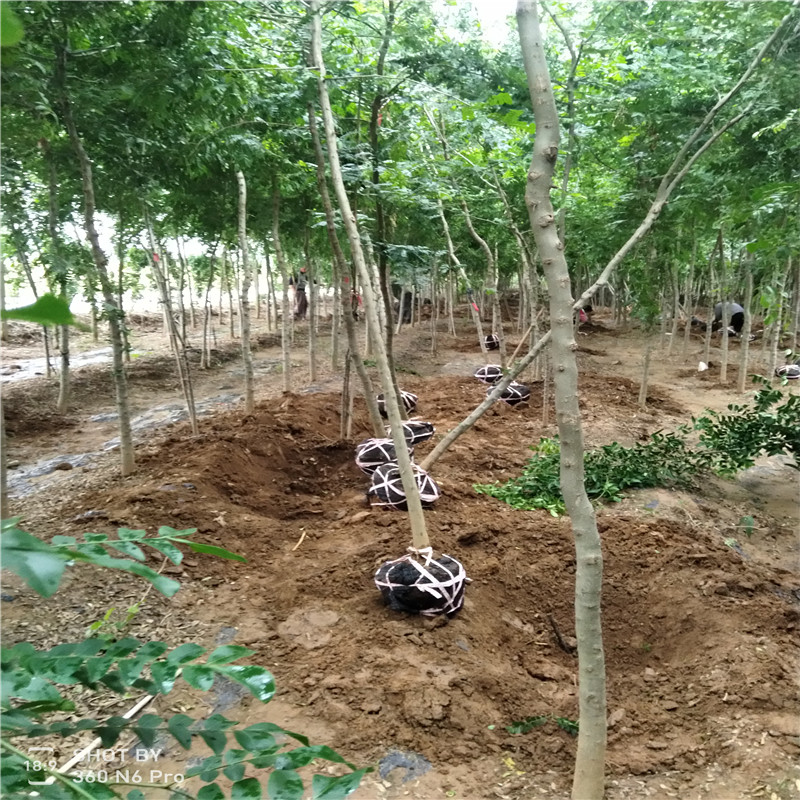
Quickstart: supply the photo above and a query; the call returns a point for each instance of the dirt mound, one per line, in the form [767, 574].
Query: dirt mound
[690, 626]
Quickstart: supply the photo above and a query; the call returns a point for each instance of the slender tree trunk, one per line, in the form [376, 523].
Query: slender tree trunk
[689, 299]
[347, 287]
[247, 355]
[588, 780]
[415, 513]
[60, 269]
[796, 314]
[176, 342]
[336, 318]
[645, 371]
[115, 316]
[287, 309]
[312, 309]
[748, 322]
[3, 320]
[776, 338]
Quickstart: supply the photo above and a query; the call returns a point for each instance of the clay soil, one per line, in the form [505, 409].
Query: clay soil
[700, 621]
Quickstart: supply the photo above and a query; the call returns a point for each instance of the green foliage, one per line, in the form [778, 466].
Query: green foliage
[41, 565]
[47, 310]
[38, 684]
[728, 443]
[530, 723]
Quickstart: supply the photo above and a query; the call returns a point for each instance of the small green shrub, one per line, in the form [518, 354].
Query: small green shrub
[728, 443]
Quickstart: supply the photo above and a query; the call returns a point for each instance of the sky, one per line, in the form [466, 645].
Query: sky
[493, 14]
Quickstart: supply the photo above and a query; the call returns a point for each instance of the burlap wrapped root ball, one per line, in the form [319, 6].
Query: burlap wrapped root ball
[492, 341]
[490, 374]
[408, 400]
[373, 453]
[387, 487]
[514, 394]
[789, 371]
[417, 583]
[415, 431]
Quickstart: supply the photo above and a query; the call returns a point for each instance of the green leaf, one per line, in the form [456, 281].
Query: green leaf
[38, 564]
[10, 26]
[257, 680]
[164, 676]
[229, 652]
[128, 549]
[185, 653]
[324, 787]
[168, 549]
[247, 789]
[284, 784]
[216, 740]
[199, 676]
[178, 726]
[211, 792]
[234, 772]
[131, 535]
[213, 550]
[136, 794]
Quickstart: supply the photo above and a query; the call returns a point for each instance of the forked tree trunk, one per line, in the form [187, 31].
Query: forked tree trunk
[247, 355]
[415, 513]
[287, 308]
[588, 781]
[115, 316]
[347, 290]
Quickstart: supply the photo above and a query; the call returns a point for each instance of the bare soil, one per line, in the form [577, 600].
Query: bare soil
[700, 621]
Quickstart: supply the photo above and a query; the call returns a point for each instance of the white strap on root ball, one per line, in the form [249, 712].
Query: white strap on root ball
[372, 453]
[387, 487]
[790, 372]
[416, 431]
[514, 394]
[492, 341]
[418, 583]
[490, 374]
[408, 400]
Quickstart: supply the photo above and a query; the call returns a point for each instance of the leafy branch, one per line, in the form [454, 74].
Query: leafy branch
[41, 565]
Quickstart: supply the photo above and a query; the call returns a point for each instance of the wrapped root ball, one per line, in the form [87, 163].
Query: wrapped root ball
[490, 374]
[408, 400]
[387, 487]
[416, 431]
[515, 393]
[372, 453]
[492, 341]
[421, 584]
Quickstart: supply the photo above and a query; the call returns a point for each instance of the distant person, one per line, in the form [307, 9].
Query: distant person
[735, 313]
[300, 299]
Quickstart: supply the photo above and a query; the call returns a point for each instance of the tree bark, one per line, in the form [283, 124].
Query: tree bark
[287, 308]
[588, 781]
[247, 355]
[748, 323]
[415, 512]
[347, 288]
[177, 344]
[115, 316]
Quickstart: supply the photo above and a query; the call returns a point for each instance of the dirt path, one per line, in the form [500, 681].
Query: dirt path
[700, 620]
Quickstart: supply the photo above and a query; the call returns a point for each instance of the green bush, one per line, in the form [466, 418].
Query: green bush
[728, 443]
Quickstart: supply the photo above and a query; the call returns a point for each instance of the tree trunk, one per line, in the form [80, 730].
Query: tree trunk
[588, 782]
[312, 309]
[745, 347]
[287, 309]
[347, 289]
[689, 297]
[176, 342]
[60, 271]
[776, 338]
[115, 316]
[247, 355]
[648, 351]
[415, 513]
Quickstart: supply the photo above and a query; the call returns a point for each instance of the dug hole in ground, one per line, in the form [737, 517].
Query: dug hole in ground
[700, 620]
